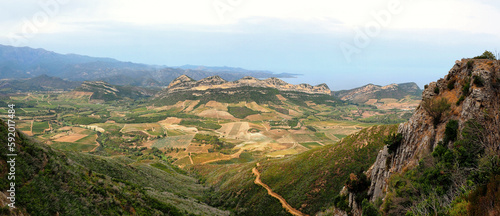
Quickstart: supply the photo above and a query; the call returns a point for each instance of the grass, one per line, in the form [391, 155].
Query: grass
[39, 127]
[67, 146]
[308, 181]
[311, 145]
[241, 112]
[182, 141]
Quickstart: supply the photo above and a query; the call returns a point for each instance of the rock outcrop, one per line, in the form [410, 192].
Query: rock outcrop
[184, 83]
[472, 90]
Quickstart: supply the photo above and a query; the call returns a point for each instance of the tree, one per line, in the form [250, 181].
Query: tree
[486, 55]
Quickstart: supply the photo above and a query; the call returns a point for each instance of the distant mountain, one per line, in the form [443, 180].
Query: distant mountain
[185, 83]
[225, 69]
[371, 91]
[245, 89]
[25, 62]
[107, 92]
[39, 83]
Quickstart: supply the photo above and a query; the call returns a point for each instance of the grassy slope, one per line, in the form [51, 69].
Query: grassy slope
[308, 181]
[50, 182]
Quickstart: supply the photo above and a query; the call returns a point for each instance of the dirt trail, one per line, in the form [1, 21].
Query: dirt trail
[285, 205]
[190, 158]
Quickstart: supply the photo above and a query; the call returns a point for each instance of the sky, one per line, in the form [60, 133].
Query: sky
[345, 44]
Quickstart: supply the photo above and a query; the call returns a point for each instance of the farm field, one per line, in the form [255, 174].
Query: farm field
[70, 121]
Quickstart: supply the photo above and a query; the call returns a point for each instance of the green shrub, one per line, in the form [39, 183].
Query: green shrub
[462, 98]
[369, 209]
[451, 131]
[478, 81]
[393, 141]
[470, 64]
[451, 84]
[486, 55]
[436, 90]
[436, 108]
[425, 86]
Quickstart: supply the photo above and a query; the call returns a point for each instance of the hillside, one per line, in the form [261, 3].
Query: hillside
[371, 91]
[248, 89]
[25, 62]
[309, 181]
[39, 83]
[52, 182]
[103, 91]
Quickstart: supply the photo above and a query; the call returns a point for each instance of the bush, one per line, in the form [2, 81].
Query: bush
[465, 88]
[451, 131]
[470, 63]
[369, 209]
[486, 55]
[451, 84]
[462, 98]
[393, 142]
[436, 108]
[478, 81]
[436, 90]
[425, 86]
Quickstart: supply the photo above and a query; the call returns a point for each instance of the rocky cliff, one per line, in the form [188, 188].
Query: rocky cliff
[185, 83]
[470, 91]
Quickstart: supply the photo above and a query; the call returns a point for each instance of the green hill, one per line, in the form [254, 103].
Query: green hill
[309, 181]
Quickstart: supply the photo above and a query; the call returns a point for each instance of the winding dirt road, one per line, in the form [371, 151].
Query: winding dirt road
[285, 205]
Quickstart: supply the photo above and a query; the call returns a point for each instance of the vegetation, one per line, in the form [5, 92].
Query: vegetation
[393, 141]
[449, 174]
[451, 84]
[51, 183]
[478, 81]
[315, 191]
[486, 55]
[436, 108]
[200, 124]
[241, 112]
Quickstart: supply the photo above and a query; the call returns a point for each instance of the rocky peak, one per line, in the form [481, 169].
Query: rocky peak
[275, 81]
[472, 89]
[215, 82]
[180, 80]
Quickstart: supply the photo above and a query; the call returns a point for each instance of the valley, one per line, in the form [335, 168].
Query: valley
[189, 134]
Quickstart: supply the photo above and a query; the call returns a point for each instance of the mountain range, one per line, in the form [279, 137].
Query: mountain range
[25, 62]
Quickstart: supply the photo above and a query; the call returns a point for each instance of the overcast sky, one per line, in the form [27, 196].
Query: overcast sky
[345, 44]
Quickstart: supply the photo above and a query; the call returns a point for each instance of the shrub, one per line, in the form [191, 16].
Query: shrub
[436, 108]
[451, 84]
[465, 88]
[462, 98]
[436, 90]
[470, 63]
[393, 142]
[486, 55]
[425, 86]
[357, 183]
[478, 81]
[451, 131]
[369, 209]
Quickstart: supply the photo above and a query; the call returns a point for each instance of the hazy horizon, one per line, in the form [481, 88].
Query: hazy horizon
[342, 44]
